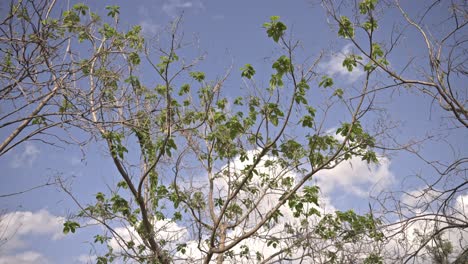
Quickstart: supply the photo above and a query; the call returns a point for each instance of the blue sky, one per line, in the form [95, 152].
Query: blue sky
[229, 33]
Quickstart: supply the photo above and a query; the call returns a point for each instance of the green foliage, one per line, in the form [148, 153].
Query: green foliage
[272, 112]
[7, 64]
[367, 6]
[134, 58]
[199, 76]
[326, 82]
[351, 61]
[81, 8]
[176, 121]
[348, 227]
[70, 19]
[101, 239]
[346, 28]
[373, 258]
[40, 120]
[108, 31]
[248, 71]
[377, 51]
[113, 11]
[370, 25]
[282, 66]
[309, 198]
[182, 248]
[339, 93]
[70, 226]
[184, 89]
[275, 28]
[135, 40]
[116, 146]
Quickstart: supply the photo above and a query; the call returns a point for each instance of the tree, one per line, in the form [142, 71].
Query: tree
[251, 168]
[438, 71]
[204, 177]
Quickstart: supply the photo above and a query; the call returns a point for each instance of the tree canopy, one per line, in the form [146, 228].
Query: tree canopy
[202, 176]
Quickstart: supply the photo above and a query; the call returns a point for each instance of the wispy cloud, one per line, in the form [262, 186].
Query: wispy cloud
[217, 17]
[148, 24]
[27, 157]
[173, 7]
[334, 66]
[28, 257]
[85, 259]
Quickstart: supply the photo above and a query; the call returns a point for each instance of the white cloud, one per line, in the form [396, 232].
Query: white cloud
[175, 234]
[422, 216]
[356, 176]
[149, 27]
[258, 241]
[173, 7]
[165, 230]
[17, 226]
[462, 204]
[419, 198]
[405, 238]
[28, 257]
[147, 23]
[218, 17]
[86, 259]
[335, 67]
[25, 158]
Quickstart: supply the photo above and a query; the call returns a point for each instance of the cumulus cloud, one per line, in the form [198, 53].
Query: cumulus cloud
[280, 229]
[27, 157]
[334, 66]
[285, 229]
[421, 209]
[17, 226]
[164, 229]
[408, 237]
[28, 257]
[357, 177]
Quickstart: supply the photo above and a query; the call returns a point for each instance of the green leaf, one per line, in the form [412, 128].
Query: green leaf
[81, 8]
[70, 226]
[282, 65]
[122, 184]
[370, 25]
[184, 89]
[275, 29]
[38, 120]
[134, 58]
[248, 71]
[346, 28]
[338, 92]
[100, 239]
[376, 51]
[199, 76]
[326, 82]
[100, 197]
[366, 6]
[351, 61]
[70, 19]
[108, 31]
[113, 10]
